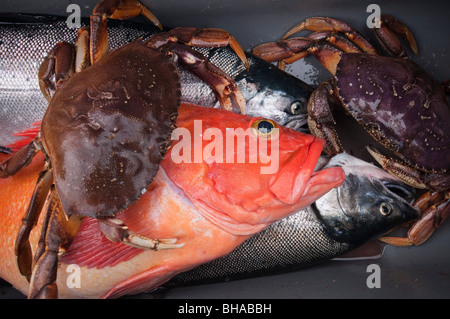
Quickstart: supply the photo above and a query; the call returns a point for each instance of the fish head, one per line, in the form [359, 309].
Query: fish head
[369, 203]
[275, 94]
[244, 173]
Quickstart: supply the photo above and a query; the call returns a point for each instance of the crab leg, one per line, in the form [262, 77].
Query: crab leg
[22, 247]
[409, 175]
[58, 235]
[124, 9]
[114, 9]
[208, 37]
[20, 159]
[115, 230]
[388, 32]
[333, 25]
[290, 50]
[321, 120]
[58, 64]
[223, 86]
[82, 54]
[63, 61]
[436, 209]
[293, 49]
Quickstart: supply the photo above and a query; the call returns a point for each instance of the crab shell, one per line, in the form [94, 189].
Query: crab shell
[400, 105]
[108, 127]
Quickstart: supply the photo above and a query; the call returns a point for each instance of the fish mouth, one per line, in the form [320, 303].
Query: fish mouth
[297, 182]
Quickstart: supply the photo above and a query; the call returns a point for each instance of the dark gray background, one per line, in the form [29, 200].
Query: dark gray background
[416, 272]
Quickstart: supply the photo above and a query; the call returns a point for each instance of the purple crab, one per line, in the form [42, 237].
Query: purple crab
[401, 106]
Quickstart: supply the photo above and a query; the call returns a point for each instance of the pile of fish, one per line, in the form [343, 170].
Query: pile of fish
[229, 220]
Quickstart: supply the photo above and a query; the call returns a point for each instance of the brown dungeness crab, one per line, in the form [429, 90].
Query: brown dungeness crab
[398, 104]
[106, 129]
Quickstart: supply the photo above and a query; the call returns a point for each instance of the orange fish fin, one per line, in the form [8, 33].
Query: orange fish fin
[91, 249]
[145, 281]
[27, 136]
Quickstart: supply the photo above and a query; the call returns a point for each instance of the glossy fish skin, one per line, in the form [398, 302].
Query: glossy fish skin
[268, 91]
[110, 269]
[338, 222]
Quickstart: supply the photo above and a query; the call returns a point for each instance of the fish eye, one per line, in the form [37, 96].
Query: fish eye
[264, 127]
[296, 107]
[385, 209]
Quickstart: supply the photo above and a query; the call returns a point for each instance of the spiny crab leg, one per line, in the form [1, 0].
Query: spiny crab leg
[115, 230]
[333, 25]
[434, 180]
[407, 174]
[334, 31]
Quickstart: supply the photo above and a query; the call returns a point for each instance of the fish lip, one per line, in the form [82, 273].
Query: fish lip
[304, 167]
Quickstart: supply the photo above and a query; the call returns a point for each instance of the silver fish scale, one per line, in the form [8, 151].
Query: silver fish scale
[269, 252]
[226, 60]
[16, 56]
[20, 61]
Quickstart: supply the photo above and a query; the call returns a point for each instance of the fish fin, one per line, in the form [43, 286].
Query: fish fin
[91, 249]
[27, 136]
[145, 281]
[370, 250]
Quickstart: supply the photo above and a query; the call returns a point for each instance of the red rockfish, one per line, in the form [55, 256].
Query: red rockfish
[210, 205]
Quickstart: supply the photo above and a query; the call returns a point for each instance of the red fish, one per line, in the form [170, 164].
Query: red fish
[210, 193]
